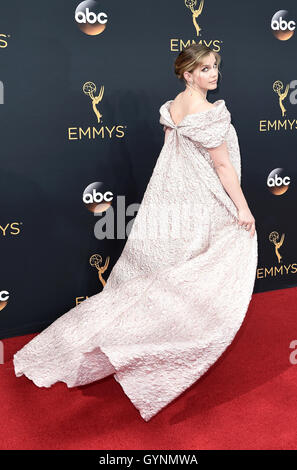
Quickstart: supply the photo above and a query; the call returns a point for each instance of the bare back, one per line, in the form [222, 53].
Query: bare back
[183, 105]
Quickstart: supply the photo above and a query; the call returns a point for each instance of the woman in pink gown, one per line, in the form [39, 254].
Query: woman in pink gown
[173, 301]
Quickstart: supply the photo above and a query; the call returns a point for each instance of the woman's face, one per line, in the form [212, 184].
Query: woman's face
[205, 75]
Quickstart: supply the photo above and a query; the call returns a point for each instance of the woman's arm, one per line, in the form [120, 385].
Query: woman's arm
[229, 179]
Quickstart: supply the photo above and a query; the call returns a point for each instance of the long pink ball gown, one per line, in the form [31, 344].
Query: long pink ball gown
[171, 304]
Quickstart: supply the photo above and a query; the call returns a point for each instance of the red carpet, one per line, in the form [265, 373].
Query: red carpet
[246, 400]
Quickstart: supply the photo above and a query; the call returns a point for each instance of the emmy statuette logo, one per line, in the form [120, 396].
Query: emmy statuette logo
[274, 239]
[195, 8]
[278, 86]
[287, 123]
[281, 268]
[100, 129]
[191, 4]
[89, 89]
[96, 262]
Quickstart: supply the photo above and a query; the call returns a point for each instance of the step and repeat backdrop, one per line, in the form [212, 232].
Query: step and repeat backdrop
[81, 84]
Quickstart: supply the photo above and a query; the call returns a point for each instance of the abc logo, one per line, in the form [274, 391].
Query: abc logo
[278, 183]
[96, 198]
[283, 29]
[89, 18]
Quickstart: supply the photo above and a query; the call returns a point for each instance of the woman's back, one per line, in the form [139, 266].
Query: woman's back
[183, 105]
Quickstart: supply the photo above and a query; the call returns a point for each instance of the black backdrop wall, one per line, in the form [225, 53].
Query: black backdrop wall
[54, 144]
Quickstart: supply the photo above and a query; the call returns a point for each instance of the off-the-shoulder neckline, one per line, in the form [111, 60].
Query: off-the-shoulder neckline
[193, 114]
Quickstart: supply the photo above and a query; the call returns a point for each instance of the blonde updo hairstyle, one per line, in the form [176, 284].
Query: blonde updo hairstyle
[190, 57]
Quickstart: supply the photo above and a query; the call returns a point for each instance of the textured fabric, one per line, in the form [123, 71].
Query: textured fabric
[174, 300]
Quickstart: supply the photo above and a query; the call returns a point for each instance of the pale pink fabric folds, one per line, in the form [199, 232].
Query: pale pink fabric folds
[172, 304]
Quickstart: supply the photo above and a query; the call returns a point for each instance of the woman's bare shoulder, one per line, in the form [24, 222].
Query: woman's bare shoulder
[179, 103]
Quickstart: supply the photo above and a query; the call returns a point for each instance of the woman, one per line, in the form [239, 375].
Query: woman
[193, 99]
[173, 301]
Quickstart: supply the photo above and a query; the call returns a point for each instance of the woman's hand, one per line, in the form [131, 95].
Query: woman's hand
[246, 219]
